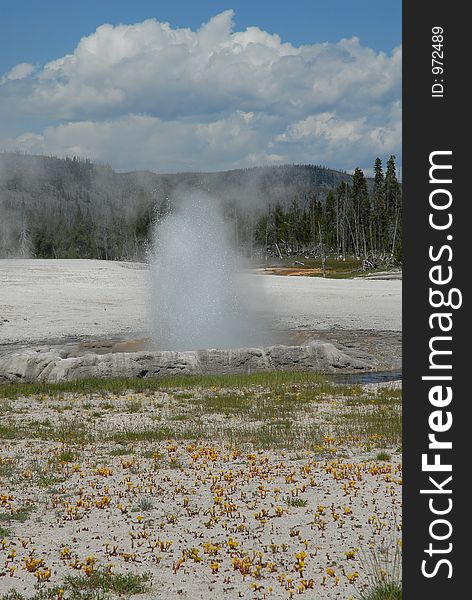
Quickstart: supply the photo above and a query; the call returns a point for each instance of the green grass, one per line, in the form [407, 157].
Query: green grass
[382, 423]
[383, 564]
[14, 595]
[67, 456]
[8, 431]
[279, 401]
[99, 586]
[384, 591]
[7, 468]
[266, 410]
[183, 395]
[145, 504]
[19, 516]
[66, 431]
[296, 502]
[180, 417]
[383, 456]
[46, 480]
[270, 435]
[365, 415]
[4, 532]
[120, 385]
[126, 584]
[383, 396]
[5, 406]
[123, 451]
[335, 268]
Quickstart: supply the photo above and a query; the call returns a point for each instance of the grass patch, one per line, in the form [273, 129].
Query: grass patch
[290, 410]
[380, 423]
[125, 585]
[384, 591]
[383, 456]
[174, 463]
[20, 516]
[382, 396]
[179, 417]
[150, 454]
[7, 468]
[276, 402]
[384, 566]
[224, 403]
[67, 431]
[295, 502]
[270, 435]
[8, 431]
[146, 503]
[182, 396]
[100, 585]
[121, 385]
[4, 532]
[67, 456]
[47, 480]
[123, 451]
[334, 268]
[5, 406]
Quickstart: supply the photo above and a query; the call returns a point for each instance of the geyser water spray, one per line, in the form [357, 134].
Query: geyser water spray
[199, 298]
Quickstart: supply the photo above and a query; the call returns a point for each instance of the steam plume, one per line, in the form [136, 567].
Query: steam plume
[198, 298]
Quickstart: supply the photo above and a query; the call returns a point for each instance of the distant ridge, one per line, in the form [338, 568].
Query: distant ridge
[71, 207]
[44, 176]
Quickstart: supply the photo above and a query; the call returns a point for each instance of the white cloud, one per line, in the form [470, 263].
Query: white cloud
[150, 96]
[333, 140]
[324, 125]
[151, 143]
[19, 71]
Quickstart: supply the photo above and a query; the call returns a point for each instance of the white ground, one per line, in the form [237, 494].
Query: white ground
[120, 501]
[43, 300]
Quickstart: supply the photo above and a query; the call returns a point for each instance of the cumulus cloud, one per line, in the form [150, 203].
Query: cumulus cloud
[19, 71]
[151, 96]
[329, 138]
[148, 142]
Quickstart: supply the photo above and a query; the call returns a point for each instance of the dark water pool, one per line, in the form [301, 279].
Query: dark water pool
[365, 377]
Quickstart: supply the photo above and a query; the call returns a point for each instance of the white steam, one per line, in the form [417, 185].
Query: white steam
[199, 297]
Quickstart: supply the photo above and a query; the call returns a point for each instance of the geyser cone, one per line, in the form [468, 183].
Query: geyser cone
[199, 298]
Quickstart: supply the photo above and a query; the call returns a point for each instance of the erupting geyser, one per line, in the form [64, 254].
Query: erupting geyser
[199, 297]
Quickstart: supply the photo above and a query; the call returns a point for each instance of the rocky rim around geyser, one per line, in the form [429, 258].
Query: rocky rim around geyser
[54, 365]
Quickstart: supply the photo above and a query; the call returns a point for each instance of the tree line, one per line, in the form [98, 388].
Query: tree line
[73, 208]
[360, 218]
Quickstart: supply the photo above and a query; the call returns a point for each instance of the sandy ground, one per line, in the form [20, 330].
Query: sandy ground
[50, 300]
[207, 519]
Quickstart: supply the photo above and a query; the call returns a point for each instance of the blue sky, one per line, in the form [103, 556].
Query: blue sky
[225, 85]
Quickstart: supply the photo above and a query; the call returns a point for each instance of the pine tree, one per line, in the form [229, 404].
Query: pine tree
[379, 212]
[341, 194]
[361, 205]
[393, 204]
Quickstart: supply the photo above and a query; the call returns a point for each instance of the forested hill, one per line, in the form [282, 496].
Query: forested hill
[52, 207]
